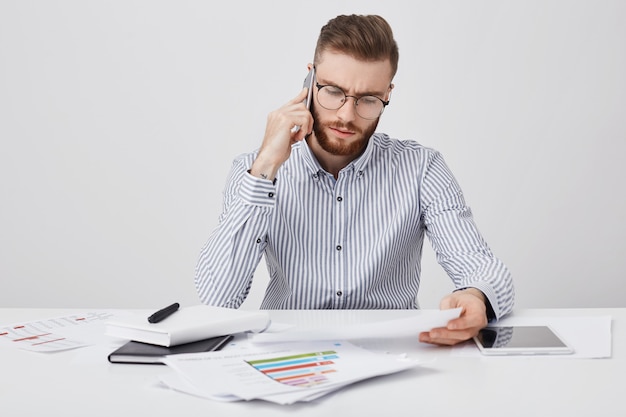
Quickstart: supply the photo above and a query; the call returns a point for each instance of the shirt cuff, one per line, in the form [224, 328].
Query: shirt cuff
[257, 191]
[491, 313]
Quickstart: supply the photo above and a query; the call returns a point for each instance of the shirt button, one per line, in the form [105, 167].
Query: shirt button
[270, 195]
[339, 293]
[258, 240]
[339, 199]
[338, 247]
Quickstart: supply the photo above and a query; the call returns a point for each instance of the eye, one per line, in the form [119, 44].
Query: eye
[369, 101]
[334, 91]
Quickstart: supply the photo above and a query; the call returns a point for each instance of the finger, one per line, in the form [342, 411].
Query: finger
[445, 337]
[289, 116]
[446, 342]
[438, 334]
[467, 323]
[454, 300]
[426, 338]
[302, 127]
[448, 303]
[299, 98]
[463, 322]
[301, 130]
[463, 333]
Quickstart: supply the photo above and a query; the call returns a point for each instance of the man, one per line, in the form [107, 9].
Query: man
[340, 212]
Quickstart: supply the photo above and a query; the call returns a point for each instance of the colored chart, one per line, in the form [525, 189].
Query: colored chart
[303, 370]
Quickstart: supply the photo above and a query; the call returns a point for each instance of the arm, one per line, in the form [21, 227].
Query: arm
[228, 260]
[484, 287]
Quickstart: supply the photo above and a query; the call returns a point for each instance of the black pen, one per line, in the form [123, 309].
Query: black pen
[163, 313]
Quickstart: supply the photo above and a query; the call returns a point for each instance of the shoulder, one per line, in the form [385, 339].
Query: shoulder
[386, 147]
[245, 159]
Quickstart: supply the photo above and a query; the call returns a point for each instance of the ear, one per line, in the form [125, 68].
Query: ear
[391, 86]
[309, 66]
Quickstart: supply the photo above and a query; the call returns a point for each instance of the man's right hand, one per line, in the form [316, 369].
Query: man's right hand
[280, 134]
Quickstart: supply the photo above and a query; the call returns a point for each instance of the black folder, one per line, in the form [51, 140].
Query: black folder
[145, 353]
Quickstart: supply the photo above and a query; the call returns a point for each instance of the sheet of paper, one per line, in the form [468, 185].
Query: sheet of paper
[422, 320]
[283, 374]
[590, 336]
[56, 334]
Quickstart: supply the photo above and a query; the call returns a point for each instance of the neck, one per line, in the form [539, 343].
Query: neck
[330, 162]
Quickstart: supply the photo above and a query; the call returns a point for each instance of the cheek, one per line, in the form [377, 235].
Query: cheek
[320, 115]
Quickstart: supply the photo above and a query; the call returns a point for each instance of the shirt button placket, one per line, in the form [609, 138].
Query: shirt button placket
[339, 247]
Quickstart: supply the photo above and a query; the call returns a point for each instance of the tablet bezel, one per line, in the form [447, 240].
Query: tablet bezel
[558, 347]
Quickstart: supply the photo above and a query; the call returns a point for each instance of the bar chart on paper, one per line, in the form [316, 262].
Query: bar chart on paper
[302, 370]
[281, 373]
[49, 335]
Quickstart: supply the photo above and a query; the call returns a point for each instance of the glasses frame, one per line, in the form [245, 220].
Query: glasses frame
[345, 99]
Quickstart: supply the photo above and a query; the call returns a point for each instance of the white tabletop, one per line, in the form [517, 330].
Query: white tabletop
[82, 382]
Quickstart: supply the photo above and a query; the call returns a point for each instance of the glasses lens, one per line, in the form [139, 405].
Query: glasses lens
[332, 98]
[369, 107]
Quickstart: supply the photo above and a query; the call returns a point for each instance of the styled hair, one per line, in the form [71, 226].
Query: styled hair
[363, 37]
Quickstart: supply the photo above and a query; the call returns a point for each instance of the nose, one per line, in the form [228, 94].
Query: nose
[347, 112]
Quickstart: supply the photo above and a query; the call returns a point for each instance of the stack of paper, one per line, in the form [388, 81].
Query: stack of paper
[279, 373]
[409, 326]
[287, 365]
[189, 324]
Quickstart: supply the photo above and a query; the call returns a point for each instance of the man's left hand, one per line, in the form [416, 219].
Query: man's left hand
[473, 318]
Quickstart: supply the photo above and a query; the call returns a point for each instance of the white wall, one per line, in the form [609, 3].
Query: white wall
[119, 120]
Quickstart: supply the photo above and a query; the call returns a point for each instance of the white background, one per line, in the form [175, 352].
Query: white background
[119, 121]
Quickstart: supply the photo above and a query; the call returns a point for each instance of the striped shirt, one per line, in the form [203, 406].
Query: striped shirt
[354, 242]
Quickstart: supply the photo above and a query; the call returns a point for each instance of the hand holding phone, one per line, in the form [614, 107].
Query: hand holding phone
[277, 142]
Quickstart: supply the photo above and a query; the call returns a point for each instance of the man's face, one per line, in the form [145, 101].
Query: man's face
[343, 131]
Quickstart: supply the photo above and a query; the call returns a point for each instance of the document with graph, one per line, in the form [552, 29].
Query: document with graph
[56, 333]
[282, 374]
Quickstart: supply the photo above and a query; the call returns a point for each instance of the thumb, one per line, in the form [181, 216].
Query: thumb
[448, 302]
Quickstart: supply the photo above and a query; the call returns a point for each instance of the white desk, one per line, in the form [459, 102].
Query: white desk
[79, 383]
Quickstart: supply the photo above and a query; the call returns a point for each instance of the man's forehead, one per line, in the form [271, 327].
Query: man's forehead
[353, 74]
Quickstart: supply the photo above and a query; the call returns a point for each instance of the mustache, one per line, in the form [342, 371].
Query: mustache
[336, 124]
[344, 126]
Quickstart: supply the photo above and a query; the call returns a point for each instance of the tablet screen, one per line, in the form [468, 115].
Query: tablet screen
[520, 340]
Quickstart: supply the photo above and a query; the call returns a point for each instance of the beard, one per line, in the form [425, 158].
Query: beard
[339, 147]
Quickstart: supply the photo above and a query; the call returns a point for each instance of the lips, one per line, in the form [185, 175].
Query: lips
[341, 132]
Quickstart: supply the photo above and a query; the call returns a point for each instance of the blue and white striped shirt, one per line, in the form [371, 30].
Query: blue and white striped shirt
[350, 243]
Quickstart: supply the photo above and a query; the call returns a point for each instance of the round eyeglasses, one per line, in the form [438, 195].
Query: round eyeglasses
[333, 98]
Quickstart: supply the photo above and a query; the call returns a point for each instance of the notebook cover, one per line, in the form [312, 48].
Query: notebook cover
[145, 353]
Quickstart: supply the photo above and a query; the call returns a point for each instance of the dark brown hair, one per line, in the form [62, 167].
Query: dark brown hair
[363, 37]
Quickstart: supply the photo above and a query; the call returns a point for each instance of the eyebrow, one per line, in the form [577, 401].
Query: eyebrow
[356, 93]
